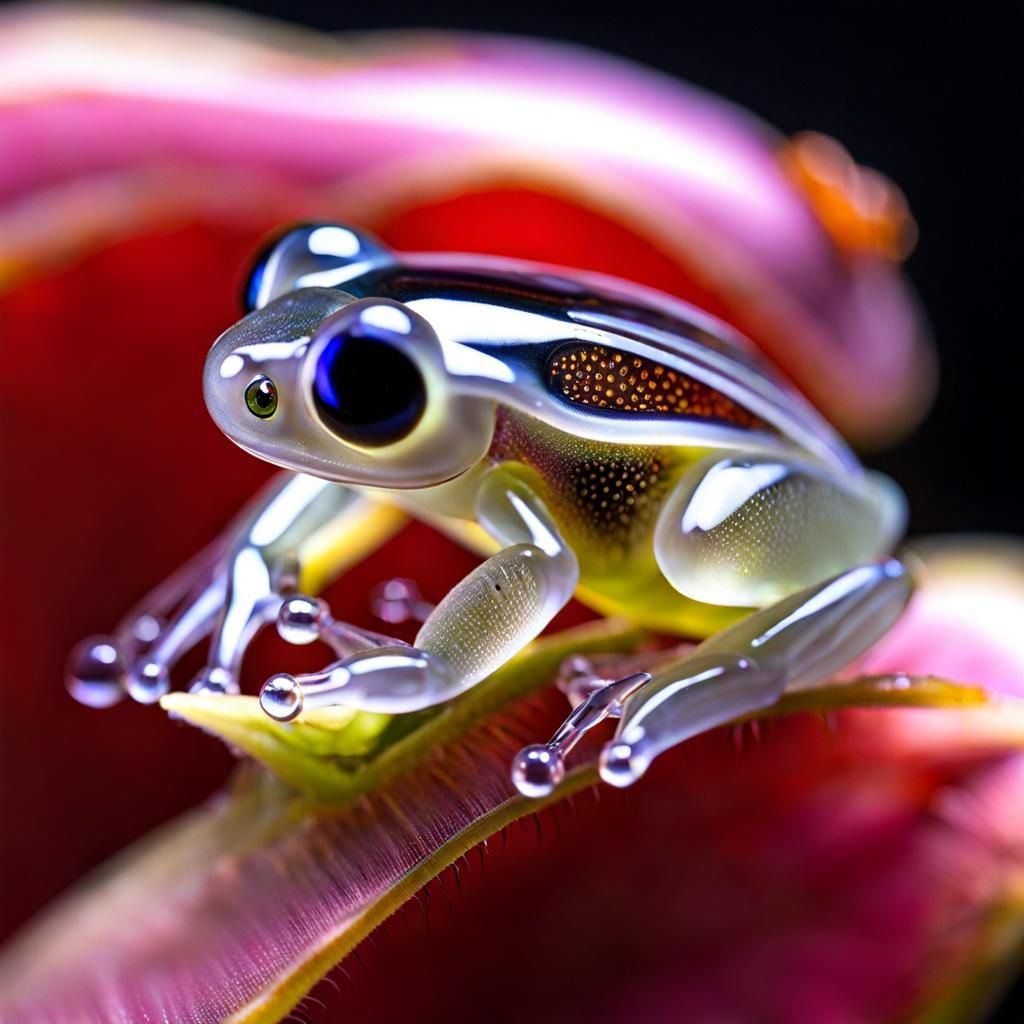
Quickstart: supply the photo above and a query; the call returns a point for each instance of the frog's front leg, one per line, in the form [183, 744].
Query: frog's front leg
[299, 526]
[747, 531]
[486, 618]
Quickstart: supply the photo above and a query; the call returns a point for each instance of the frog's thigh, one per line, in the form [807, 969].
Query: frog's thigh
[800, 641]
[748, 530]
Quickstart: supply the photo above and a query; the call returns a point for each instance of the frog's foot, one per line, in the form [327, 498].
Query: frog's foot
[579, 676]
[136, 659]
[399, 600]
[226, 597]
[303, 620]
[798, 642]
[228, 593]
[539, 768]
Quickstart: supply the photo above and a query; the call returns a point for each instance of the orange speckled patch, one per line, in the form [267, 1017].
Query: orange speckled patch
[623, 382]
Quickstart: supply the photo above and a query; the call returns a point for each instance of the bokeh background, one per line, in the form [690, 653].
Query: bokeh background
[930, 94]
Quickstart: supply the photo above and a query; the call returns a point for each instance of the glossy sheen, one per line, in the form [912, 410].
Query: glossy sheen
[605, 397]
[590, 435]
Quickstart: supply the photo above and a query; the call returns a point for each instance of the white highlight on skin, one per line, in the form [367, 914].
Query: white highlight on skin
[463, 361]
[540, 534]
[726, 489]
[105, 654]
[268, 279]
[333, 277]
[831, 594]
[466, 320]
[387, 318]
[333, 240]
[281, 512]
[266, 351]
[250, 574]
[231, 366]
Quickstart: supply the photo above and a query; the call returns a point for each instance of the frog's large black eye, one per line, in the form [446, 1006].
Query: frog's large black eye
[366, 390]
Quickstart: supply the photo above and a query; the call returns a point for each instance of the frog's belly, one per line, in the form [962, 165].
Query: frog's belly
[644, 596]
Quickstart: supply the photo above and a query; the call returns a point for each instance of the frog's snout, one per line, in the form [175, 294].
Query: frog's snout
[253, 371]
[354, 390]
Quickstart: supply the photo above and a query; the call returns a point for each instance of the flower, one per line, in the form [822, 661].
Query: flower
[859, 869]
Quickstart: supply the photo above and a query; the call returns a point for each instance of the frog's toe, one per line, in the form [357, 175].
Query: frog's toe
[399, 600]
[303, 620]
[147, 680]
[95, 672]
[214, 681]
[621, 764]
[281, 697]
[539, 768]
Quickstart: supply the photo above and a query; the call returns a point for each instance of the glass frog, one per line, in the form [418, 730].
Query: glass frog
[592, 437]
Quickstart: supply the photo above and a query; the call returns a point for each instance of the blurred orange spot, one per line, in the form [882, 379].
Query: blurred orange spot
[861, 209]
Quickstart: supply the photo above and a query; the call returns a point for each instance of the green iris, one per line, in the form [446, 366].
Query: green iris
[261, 397]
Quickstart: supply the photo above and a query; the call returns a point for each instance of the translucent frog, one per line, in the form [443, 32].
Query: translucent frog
[592, 437]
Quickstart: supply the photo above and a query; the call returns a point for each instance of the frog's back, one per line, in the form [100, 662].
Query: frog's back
[606, 360]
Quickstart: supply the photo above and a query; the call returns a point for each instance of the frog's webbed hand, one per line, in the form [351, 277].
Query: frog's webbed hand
[742, 532]
[484, 620]
[227, 593]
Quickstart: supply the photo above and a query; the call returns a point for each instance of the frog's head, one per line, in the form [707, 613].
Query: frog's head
[351, 390]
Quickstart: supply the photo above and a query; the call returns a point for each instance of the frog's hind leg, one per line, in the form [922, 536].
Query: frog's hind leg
[799, 641]
[485, 619]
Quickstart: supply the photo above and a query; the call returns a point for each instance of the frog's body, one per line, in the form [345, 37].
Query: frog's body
[608, 440]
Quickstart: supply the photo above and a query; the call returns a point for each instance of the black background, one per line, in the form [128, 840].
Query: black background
[932, 95]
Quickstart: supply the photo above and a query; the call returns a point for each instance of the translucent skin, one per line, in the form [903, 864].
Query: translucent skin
[487, 337]
[590, 436]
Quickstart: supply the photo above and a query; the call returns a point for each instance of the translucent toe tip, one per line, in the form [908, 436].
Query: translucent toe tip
[537, 770]
[300, 618]
[281, 698]
[621, 765]
[148, 682]
[214, 682]
[95, 675]
[894, 568]
[397, 601]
